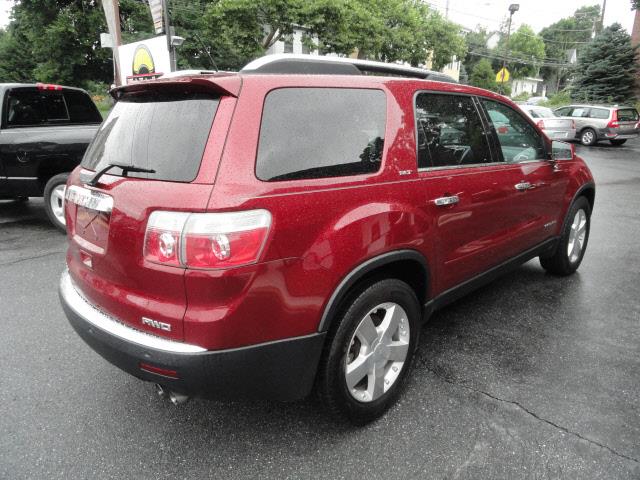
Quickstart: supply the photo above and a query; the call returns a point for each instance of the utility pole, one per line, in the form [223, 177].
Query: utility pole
[167, 31]
[446, 12]
[604, 7]
[513, 8]
[112, 15]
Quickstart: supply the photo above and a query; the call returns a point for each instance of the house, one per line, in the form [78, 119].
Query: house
[293, 44]
[531, 85]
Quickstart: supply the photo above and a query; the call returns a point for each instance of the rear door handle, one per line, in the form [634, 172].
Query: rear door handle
[442, 201]
[523, 186]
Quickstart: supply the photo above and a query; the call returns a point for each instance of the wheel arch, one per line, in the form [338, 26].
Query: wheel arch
[407, 265]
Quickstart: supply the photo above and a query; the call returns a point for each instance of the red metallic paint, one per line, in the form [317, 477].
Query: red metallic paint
[322, 228]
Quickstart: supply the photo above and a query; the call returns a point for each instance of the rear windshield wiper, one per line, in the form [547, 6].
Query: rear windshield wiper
[125, 170]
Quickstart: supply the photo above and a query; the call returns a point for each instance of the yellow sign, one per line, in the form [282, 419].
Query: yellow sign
[503, 75]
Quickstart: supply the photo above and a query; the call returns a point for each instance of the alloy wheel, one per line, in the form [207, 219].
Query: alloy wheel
[577, 236]
[377, 352]
[57, 203]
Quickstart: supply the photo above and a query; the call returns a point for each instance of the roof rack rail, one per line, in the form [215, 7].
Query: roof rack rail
[287, 63]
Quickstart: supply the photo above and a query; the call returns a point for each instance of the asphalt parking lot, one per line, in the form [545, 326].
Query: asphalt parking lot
[530, 377]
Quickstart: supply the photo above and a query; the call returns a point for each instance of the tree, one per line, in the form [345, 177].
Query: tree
[388, 30]
[563, 36]
[525, 53]
[635, 4]
[477, 41]
[58, 41]
[606, 70]
[483, 76]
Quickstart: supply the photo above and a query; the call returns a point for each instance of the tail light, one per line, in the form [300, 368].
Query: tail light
[614, 120]
[540, 124]
[573, 125]
[206, 240]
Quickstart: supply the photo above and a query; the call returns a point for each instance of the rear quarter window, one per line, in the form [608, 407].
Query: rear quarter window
[321, 132]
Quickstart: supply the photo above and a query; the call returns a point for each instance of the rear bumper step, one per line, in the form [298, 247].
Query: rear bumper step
[281, 370]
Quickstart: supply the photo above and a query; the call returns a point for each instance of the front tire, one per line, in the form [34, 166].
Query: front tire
[54, 192]
[573, 241]
[618, 142]
[369, 351]
[588, 137]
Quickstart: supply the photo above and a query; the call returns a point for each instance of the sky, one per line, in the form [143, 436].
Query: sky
[489, 13]
[535, 13]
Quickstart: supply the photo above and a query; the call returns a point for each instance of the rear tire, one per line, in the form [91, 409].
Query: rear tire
[617, 143]
[573, 241]
[54, 200]
[588, 137]
[369, 351]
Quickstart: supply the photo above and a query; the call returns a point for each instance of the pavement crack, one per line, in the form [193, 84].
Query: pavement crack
[528, 412]
[33, 257]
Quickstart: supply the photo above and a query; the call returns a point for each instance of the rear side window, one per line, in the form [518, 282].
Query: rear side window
[600, 113]
[579, 112]
[81, 108]
[166, 132]
[450, 131]
[627, 115]
[321, 132]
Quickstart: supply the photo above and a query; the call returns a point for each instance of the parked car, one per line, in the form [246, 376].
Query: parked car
[554, 127]
[536, 100]
[595, 123]
[256, 234]
[44, 132]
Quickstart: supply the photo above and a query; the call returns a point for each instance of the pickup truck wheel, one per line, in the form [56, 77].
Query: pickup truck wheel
[573, 241]
[618, 142]
[54, 200]
[369, 351]
[588, 137]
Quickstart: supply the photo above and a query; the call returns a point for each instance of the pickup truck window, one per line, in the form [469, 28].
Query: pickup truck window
[28, 107]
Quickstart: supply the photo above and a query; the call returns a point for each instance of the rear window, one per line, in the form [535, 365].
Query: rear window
[26, 107]
[166, 132]
[627, 115]
[321, 132]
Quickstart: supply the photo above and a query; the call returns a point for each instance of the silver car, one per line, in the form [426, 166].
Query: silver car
[595, 123]
[554, 127]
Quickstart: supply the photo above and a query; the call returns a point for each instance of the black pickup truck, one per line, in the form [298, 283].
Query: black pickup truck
[44, 132]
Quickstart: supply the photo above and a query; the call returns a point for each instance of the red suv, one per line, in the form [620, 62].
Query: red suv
[292, 225]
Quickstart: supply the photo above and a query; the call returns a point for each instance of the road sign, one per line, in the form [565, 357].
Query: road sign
[503, 75]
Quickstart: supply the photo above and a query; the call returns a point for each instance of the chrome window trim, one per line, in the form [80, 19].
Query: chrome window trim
[100, 320]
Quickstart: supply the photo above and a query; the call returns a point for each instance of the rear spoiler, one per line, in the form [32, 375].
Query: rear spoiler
[223, 84]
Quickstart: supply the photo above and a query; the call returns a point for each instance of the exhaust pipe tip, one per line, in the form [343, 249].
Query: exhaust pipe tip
[161, 391]
[174, 397]
[178, 398]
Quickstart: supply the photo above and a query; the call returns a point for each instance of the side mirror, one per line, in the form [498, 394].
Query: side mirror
[562, 151]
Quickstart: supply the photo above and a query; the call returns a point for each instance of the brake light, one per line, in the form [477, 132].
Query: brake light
[48, 86]
[540, 124]
[206, 240]
[614, 120]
